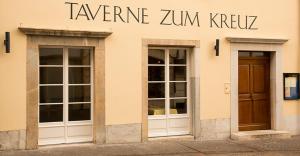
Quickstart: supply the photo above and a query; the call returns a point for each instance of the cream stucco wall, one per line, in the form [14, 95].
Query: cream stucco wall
[276, 19]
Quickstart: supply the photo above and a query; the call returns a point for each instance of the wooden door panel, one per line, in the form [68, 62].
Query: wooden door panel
[259, 78]
[244, 79]
[260, 96]
[261, 111]
[254, 94]
[245, 97]
[245, 112]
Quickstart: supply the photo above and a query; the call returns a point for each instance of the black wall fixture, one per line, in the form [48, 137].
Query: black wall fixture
[217, 47]
[7, 42]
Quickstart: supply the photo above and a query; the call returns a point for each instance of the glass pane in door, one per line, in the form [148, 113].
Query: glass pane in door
[51, 85]
[177, 56]
[51, 94]
[178, 81]
[156, 107]
[51, 75]
[79, 56]
[80, 93]
[177, 73]
[51, 113]
[51, 56]
[156, 73]
[156, 56]
[79, 112]
[79, 84]
[178, 106]
[178, 89]
[79, 75]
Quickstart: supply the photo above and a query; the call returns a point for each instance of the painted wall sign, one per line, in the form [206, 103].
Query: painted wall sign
[169, 17]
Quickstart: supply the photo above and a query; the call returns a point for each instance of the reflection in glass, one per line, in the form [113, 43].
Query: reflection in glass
[156, 56]
[177, 56]
[156, 73]
[51, 113]
[79, 112]
[79, 56]
[156, 107]
[51, 56]
[51, 94]
[156, 90]
[79, 75]
[178, 89]
[178, 73]
[178, 106]
[51, 75]
[79, 93]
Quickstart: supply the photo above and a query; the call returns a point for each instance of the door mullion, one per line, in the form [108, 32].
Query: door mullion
[189, 105]
[65, 93]
[167, 92]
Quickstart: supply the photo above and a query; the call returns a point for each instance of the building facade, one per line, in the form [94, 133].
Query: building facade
[125, 71]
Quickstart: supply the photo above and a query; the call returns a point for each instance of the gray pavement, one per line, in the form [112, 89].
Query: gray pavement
[268, 147]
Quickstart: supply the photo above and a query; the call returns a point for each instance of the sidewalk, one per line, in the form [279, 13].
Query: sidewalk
[274, 147]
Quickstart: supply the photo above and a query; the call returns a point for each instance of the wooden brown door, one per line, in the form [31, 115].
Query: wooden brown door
[254, 93]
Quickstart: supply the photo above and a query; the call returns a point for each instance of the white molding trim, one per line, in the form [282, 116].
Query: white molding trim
[256, 40]
[64, 32]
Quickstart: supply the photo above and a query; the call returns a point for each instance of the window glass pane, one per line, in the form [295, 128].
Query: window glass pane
[156, 107]
[156, 56]
[244, 54]
[78, 112]
[258, 54]
[156, 90]
[156, 73]
[178, 106]
[51, 75]
[178, 73]
[51, 56]
[79, 93]
[51, 94]
[51, 113]
[79, 75]
[253, 54]
[177, 56]
[178, 89]
[79, 56]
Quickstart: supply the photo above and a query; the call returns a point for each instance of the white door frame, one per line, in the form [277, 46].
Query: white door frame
[68, 126]
[274, 46]
[167, 115]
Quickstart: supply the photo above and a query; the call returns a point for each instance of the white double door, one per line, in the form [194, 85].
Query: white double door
[169, 108]
[65, 95]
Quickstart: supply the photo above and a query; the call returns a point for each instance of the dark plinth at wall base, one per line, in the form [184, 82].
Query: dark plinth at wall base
[214, 129]
[127, 133]
[12, 140]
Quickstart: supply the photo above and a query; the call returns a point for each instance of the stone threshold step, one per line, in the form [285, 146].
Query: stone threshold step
[260, 134]
[173, 138]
